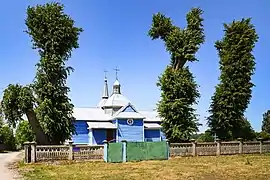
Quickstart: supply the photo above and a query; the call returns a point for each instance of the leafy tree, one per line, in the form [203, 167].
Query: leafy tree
[1, 120]
[45, 102]
[206, 137]
[264, 135]
[234, 91]
[6, 135]
[266, 122]
[246, 132]
[1, 125]
[24, 133]
[179, 90]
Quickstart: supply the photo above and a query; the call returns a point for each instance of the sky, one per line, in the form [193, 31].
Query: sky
[115, 35]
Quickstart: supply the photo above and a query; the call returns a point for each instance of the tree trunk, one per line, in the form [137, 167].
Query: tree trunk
[41, 137]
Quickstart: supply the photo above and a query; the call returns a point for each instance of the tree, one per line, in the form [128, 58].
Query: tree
[266, 122]
[233, 93]
[45, 102]
[6, 135]
[179, 90]
[246, 132]
[1, 120]
[24, 133]
[206, 137]
[264, 135]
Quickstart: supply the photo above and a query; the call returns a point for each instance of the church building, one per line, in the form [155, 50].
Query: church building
[115, 119]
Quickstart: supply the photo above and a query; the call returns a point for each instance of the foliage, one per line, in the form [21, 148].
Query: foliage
[195, 135]
[175, 107]
[45, 102]
[246, 132]
[264, 135]
[17, 99]
[206, 137]
[266, 122]
[234, 91]
[6, 135]
[1, 120]
[178, 87]
[24, 133]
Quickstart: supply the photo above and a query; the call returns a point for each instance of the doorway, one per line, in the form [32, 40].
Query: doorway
[110, 135]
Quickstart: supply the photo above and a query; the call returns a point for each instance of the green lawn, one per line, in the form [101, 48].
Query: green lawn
[247, 167]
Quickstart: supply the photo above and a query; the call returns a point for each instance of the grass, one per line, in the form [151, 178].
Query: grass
[246, 167]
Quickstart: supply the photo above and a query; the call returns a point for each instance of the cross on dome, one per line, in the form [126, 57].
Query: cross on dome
[116, 72]
[105, 74]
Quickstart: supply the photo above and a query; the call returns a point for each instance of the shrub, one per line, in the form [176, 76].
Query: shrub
[24, 133]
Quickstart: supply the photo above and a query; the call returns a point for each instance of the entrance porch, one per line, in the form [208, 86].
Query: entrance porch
[100, 131]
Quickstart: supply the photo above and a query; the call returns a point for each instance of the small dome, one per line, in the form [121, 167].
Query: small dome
[116, 83]
[116, 100]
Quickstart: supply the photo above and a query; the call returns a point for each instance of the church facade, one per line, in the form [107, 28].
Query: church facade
[115, 119]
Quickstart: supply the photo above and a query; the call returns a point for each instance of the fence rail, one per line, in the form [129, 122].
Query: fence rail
[35, 152]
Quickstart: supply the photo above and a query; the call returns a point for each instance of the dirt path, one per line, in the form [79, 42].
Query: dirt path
[5, 160]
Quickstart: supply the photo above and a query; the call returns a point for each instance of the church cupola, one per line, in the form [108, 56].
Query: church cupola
[116, 100]
[116, 87]
[116, 84]
[105, 93]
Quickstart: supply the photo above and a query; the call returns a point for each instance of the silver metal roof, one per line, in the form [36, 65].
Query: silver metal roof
[152, 126]
[101, 125]
[98, 114]
[116, 100]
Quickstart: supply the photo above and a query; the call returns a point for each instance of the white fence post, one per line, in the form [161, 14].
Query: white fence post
[70, 155]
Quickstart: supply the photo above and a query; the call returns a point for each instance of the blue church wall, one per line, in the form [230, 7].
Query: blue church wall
[132, 133]
[98, 135]
[152, 135]
[82, 133]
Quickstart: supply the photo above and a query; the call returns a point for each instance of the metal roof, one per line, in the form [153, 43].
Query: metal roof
[102, 102]
[98, 114]
[152, 125]
[101, 125]
[95, 114]
[116, 100]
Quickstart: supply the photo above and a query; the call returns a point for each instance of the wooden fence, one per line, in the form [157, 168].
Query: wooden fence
[34, 153]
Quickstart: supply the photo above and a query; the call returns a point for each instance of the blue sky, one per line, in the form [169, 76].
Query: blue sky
[115, 34]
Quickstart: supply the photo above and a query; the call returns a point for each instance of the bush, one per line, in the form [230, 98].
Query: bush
[24, 133]
[206, 137]
[7, 137]
[264, 135]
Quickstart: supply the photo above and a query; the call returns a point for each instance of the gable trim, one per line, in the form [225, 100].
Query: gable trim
[122, 111]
